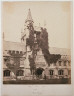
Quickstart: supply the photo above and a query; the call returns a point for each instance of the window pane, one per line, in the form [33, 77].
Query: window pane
[51, 72]
[20, 73]
[6, 73]
[60, 72]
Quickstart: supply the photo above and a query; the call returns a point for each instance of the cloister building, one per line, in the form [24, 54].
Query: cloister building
[25, 59]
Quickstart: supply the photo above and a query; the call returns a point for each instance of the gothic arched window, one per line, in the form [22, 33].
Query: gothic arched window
[20, 73]
[6, 73]
[60, 72]
[51, 72]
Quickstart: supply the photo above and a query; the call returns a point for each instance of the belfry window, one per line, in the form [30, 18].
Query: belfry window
[51, 72]
[60, 72]
[6, 73]
[20, 73]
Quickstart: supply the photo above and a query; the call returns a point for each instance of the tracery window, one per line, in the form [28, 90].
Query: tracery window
[51, 72]
[6, 73]
[60, 72]
[20, 73]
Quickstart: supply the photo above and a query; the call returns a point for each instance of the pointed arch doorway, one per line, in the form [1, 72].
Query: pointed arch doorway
[38, 72]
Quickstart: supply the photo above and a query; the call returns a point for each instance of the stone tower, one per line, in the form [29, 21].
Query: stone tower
[27, 40]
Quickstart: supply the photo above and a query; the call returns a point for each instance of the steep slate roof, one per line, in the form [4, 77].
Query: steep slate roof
[17, 46]
[61, 51]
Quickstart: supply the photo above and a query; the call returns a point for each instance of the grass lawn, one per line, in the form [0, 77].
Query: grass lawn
[50, 81]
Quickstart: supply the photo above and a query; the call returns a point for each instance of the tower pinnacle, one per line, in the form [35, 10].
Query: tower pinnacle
[29, 17]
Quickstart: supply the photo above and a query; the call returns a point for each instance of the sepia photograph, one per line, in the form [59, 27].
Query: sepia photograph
[36, 39]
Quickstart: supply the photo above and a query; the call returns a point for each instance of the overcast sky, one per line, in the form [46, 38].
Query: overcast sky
[56, 15]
